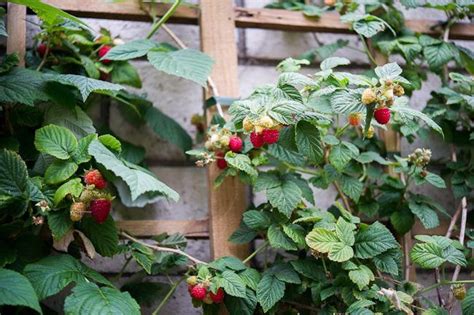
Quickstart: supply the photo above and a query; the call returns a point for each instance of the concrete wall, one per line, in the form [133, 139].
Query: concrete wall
[259, 52]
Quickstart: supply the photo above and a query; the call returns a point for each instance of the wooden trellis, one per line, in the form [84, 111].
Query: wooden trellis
[218, 20]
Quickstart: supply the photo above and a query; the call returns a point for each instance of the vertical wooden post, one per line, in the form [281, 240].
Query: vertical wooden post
[392, 142]
[16, 28]
[227, 202]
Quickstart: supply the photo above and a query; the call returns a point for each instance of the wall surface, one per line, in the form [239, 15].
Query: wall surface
[259, 52]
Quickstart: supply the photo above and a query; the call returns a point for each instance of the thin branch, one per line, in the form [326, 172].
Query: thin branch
[168, 296]
[45, 56]
[454, 219]
[163, 249]
[258, 250]
[343, 196]
[156, 26]
[438, 291]
[211, 85]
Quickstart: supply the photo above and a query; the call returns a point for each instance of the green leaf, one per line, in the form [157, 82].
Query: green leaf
[257, 220]
[241, 306]
[346, 101]
[59, 223]
[407, 113]
[233, 284]
[85, 85]
[74, 119]
[241, 162]
[57, 141]
[88, 298]
[81, 155]
[111, 142]
[269, 291]
[309, 268]
[125, 73]
[103, 236]
[278, 239]
[283, 110]
[48, 13]
[345, 231]
[368, 28]
[3, 29]
[186, 63]
[402, 220]
[373, 240]
[388, 71]
[285, 197]
[59, 171]
[228, 262]
[22, 86]
[53, 273]
[435, 180]
[291, 65]
[144, 256]
[322, 240]
[13, 174]
[138, 181]
[438, 55]
[340, 252]
[361, 276]
[250, 277]
[90, 67]
[360, 305]
[242, 235]
[427, 255]
[285, 273]
[427, 216]
[352, 187]
[389, 261]
[334, 62]
[340, 156]
[15, 289]
[131, 50]
[308, 141]
[297, 233]
[467, 305]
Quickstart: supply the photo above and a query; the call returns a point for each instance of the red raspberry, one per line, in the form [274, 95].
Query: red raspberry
[256, 139]
[198, 292]
[94, 177]
[190, 287]
[221, 162]
[41, 49]
[382, 115]
[102, 52]
[235, 144]
[354, 119]
[218, 297]
[100, 209]
[270, 136]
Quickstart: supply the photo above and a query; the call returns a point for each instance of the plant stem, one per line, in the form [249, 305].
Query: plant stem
[340, 131]
[168, 295]
[156, 26]
[258, 250]
[343, 197]
[300, 169]
[119, 275]
[367, 51]
[163, 249]
[438, 292]
[43, 61]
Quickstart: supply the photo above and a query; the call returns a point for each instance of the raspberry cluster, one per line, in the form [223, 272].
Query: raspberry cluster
[200, 291]
[263, 130]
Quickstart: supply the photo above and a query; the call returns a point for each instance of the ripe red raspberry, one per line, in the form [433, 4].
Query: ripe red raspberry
[256, 139]
[270, 136]
[354, 119]
[198, 292]
[218, 297]
[382, 115]
[235, 144]
[94, 177]
[190, 287]
[221, 162]
[41, 49]
[100, 209]
[102, 52]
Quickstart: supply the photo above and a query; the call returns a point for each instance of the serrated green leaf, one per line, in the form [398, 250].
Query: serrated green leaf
[111, 142]
[74, 119]
[352, 187]
[322, 240]
[435, 180]
[308, 141]
[22, 86]
[13, 174]
[427, 255]
[241, 306]
[59, 223]
[373, 240]
[361, 276]
[59, 171]
[467, 305]
[389, 261]
[345, 231]
[340, 156]
[125, 73]
[438, 55]
[334, 62]
[402, 220]
[427, 216]
[57, 141]
[388, 71]
[408, 113]
[104, 236]
[257, 220]
[186, 63]
[346, 101]
[368, 28]
[81, 155]
[85, 85]
[278, 239]
[270, 290]
[297, 233]
[131, 50]
[251, 278]
[228, 262]
[233, 284]
[15, 289]
[241, 162]
[139, 182]
[53, 273]
[285, 197]
[88, 298]
[309, 268]
[144, 256]
[285, 273]
[340, 252]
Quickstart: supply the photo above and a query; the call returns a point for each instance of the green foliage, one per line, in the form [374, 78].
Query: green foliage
[15, 289]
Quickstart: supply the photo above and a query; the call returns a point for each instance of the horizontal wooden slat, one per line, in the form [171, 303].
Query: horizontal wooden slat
[271, 19]
[190, 228]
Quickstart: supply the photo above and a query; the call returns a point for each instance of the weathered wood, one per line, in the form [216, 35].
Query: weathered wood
[16, 28]
[142, 228]
[271, 19]
[229, 200]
